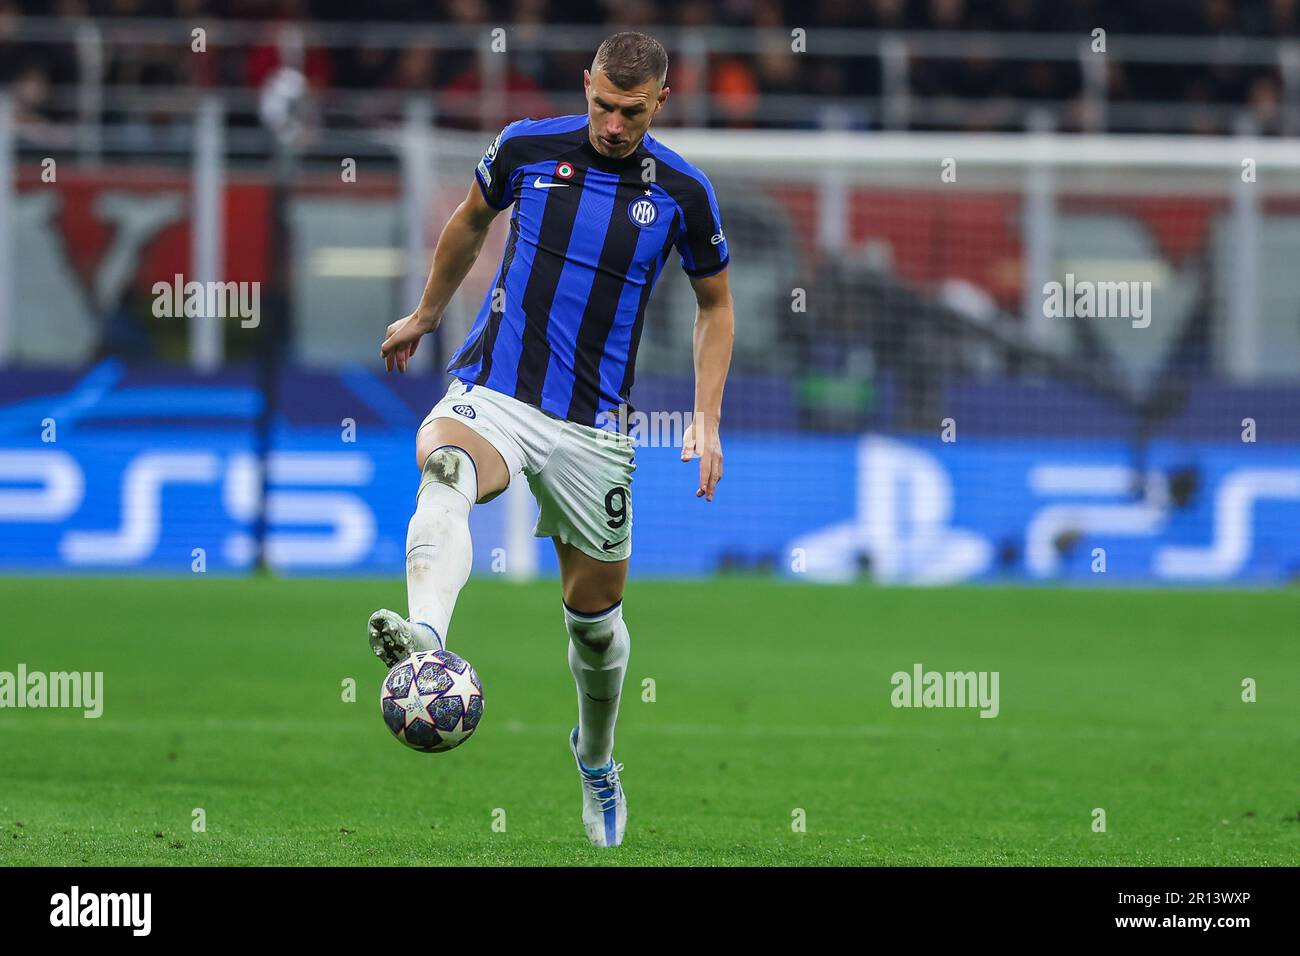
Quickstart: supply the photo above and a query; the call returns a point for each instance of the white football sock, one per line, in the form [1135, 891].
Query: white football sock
[598, 652]
[438, 547]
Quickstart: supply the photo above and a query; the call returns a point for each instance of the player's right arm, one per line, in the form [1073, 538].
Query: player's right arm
[457, 249]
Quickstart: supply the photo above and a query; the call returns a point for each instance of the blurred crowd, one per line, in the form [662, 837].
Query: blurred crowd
[982, 90]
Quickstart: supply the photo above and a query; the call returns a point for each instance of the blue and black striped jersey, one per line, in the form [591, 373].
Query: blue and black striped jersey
[589, 236]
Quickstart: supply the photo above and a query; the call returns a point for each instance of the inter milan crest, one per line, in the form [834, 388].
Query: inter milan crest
[643, 212]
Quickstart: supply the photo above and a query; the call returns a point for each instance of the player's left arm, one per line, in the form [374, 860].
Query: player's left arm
[715, 329]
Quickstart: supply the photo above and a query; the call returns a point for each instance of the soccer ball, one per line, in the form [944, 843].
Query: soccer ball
[432, 701]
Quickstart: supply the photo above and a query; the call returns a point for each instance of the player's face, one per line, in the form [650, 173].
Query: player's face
[618, 118]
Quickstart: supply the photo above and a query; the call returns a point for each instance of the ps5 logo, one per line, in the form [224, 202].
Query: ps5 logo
[313, 521]
[906, 525]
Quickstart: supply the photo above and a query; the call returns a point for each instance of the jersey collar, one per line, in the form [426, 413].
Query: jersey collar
[596, 160]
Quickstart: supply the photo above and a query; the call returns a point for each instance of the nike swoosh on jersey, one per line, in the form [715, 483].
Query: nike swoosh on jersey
[537, 182]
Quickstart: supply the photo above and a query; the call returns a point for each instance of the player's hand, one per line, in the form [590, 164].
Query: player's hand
[701, 441]
[401, 340]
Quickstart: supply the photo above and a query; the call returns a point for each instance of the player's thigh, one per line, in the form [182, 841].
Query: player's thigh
[584, 503]
[589, 585]
[493, 475]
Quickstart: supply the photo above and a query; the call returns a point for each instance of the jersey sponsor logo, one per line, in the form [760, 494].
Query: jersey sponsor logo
[538, 184]
[564, 171]
[465, 411]
[643, 212]
[485, 173]
[717, 239]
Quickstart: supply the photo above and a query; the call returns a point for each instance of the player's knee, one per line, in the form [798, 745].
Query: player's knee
[451, 466]
[593, 631]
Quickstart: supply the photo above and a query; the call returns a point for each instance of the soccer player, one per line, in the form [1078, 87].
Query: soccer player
[598, 207]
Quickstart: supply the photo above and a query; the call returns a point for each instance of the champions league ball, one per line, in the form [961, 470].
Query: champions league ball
[432, 701]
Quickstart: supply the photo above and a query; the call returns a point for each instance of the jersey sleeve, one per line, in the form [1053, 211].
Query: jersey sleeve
[700, 239]
[495, 171]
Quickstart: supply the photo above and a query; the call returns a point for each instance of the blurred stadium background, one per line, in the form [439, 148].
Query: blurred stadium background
[898, 181]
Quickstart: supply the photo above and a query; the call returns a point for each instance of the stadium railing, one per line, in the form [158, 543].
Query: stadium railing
[881, 91]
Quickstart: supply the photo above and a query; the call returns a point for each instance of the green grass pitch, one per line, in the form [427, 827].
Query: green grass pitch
[769, 698]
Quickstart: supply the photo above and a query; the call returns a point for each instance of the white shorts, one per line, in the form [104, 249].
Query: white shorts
[581, 476]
